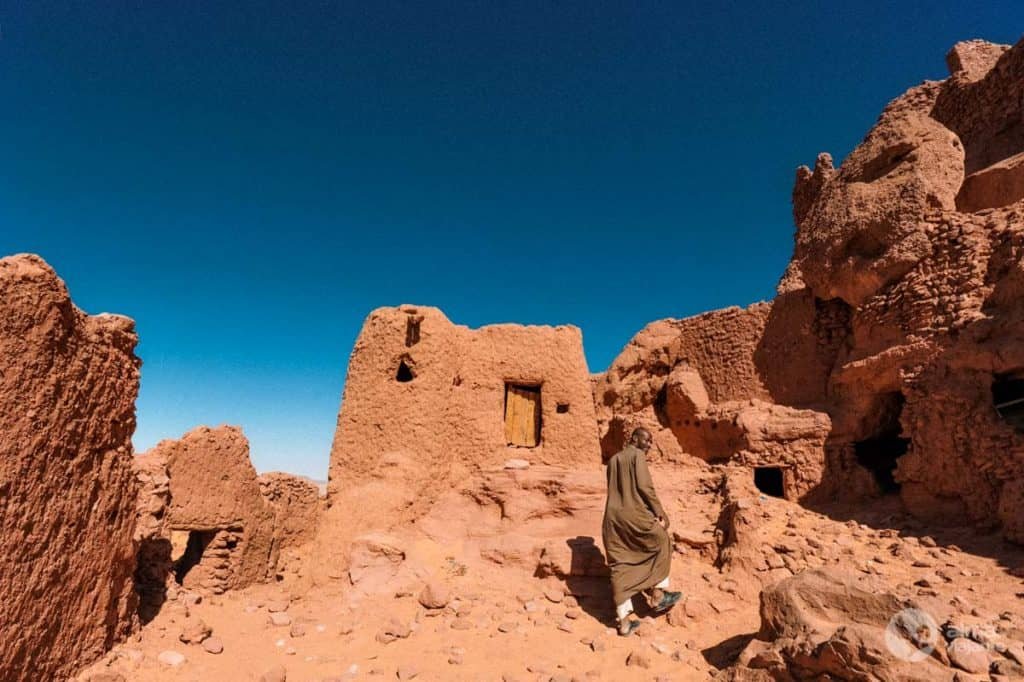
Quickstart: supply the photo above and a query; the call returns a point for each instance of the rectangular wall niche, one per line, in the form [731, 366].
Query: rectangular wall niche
[522, 415]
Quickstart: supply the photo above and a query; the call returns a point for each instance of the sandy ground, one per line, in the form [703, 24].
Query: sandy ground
[504, 623]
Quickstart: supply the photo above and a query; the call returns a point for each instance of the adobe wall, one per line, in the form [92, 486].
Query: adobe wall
[401, 443]
[68, 383]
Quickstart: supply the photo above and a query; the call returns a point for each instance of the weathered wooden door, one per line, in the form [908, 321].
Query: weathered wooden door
[522, 415]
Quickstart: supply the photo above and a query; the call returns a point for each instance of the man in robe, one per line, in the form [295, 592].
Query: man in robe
[635, 531]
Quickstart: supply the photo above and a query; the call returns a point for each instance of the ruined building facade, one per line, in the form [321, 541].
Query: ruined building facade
[427, 401]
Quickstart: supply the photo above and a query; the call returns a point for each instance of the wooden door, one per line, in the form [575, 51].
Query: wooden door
[522, 415]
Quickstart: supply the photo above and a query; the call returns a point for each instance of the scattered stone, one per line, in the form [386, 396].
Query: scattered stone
[277, 606]
[517, 464]
[434, 595]
[507, 626]
[195, 632]
[171, 658]
[573, 614]
[279, 619]
[637, 659]
[554, 594]
[969, 656]
[213, 645]
[297, 630]
[276, 674]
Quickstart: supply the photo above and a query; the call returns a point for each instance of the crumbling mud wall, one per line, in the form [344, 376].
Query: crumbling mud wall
[706, 387]
[68, 383]
[215, 531]
[428, 402]
[297, 508]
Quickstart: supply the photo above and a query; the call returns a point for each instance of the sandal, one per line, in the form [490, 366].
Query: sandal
[667, 601]
[630, 628]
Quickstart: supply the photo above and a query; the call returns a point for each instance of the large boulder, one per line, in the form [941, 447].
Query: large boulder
[68, 383]
[825, 624]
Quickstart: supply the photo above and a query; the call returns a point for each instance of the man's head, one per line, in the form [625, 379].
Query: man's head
[641, 439]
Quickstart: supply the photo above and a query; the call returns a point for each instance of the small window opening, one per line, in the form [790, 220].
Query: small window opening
[769, 480]
[562, 408]
[879, 452]
[404, 373]
[198, 540]
[522, 415]
[412, 330]
[1008, 398]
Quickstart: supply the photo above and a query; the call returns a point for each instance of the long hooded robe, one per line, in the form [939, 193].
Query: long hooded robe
[636, 545]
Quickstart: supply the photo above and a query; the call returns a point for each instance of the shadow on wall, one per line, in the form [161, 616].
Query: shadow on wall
[153, 564]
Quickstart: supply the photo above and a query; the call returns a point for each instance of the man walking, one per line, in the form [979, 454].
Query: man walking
[635, 531]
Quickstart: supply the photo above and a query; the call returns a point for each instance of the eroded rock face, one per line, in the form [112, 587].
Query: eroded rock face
[920, 231]
[428, 403]
[828, 624]
[706, 386]
[899, 318]
[68, 383]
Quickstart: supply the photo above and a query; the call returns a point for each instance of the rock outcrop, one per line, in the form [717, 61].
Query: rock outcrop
[706, 386]
[825, 624]
[68, 383]
[889, 362]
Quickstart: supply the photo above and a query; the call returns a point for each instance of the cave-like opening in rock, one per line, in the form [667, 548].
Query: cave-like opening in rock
[1008, 398]
[770, 481]
[880, 450]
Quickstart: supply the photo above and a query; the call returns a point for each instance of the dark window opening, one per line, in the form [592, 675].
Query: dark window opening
[404, 373]
[1008, 398]
[769, 480]
[198, 540]
[879, 452]
[412, 330]
[562, 408]
[522, 415]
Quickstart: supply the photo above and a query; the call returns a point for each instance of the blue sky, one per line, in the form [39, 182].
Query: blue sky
[249, 180]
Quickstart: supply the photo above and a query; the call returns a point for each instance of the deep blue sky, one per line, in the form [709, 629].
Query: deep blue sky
[248, 180]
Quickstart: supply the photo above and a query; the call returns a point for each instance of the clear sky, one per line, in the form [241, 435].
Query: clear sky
[249, 179]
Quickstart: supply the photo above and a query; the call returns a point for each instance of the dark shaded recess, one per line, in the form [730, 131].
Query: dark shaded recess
[1008, 399]
[879, 452]
[198, 540]
[404, 374]
[769, 480]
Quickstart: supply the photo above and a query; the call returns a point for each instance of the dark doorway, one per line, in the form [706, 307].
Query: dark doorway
[879, 452]
[770, 481]
[198, 540]
[1008, 398]
[404, 374]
